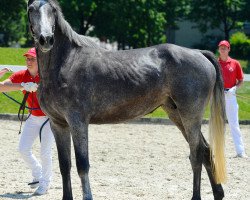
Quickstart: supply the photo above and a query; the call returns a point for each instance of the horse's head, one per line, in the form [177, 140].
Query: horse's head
[42, 19]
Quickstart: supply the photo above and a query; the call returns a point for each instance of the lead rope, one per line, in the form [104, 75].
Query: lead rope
[22, 109]
[11, 98]
[40, 132]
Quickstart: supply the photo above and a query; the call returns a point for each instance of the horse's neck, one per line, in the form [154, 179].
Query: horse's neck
[44, 65]
[74, 37]
[51, 62]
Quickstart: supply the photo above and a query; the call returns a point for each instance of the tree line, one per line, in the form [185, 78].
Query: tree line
[130, 23]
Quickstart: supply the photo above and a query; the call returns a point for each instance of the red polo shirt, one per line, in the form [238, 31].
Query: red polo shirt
[24, 76]
[231, 72]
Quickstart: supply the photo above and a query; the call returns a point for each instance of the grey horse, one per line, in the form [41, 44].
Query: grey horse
[82, 83]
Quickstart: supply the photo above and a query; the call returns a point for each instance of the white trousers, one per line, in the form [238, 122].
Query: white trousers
[43, 171]
[233, 121]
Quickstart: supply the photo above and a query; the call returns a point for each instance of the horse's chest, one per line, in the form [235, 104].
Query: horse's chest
[50, 102]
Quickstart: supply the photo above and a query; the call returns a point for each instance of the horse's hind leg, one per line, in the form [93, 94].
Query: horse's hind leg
[173, 114]
[62, 137]
[190, 128]
[196, 153]
[217, 188]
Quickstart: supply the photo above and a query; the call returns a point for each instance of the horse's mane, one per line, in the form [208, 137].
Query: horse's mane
[67, 30]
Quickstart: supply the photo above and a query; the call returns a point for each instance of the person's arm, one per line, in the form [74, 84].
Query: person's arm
[7, 86]
[239, 75]
[4, 71]
[239, 83]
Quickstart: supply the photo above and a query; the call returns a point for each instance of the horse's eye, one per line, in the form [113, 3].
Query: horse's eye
[31, 9]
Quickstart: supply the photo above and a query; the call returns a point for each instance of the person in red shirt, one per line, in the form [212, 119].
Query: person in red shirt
[27, 81]
[233, 78]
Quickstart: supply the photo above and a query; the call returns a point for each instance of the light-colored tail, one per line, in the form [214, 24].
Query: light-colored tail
[217, 124]
[217, 135]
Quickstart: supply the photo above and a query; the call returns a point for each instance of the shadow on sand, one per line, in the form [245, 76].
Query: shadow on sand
[17, 195]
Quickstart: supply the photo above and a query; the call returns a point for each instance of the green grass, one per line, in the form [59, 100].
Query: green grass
[244, 103]
[245, 65]
[13, 56]
[7, 105]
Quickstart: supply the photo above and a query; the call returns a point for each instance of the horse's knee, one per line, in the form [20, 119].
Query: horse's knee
[65, 171]
[82, 167]
[65, 166]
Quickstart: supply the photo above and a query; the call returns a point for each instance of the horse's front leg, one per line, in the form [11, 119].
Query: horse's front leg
[63, 143]
[79, 131]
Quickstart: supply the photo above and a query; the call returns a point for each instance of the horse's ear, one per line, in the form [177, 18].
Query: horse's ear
[30, 2]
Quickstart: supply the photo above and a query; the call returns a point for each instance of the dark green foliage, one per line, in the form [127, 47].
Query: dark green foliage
[223, 14]
[240, 46]
[131, 23]
[12, 21]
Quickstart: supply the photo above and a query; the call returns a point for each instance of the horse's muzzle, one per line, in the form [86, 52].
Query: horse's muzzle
[46, 42]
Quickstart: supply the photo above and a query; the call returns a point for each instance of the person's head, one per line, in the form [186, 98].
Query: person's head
[224, 48]
[31, 61]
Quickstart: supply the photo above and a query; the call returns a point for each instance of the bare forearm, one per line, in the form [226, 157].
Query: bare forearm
[7, 87]
[239, 83]
[4, 71]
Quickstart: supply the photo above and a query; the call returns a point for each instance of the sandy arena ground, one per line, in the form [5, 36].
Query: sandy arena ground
[128, 162]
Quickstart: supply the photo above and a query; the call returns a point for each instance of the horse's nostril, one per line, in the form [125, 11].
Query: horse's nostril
[51, 41]
[42, 40]
[46, 40]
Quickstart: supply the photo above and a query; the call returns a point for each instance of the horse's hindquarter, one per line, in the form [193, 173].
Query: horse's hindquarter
[190, 76]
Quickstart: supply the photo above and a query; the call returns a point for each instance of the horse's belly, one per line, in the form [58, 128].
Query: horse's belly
[123, 113]
[112, 119]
